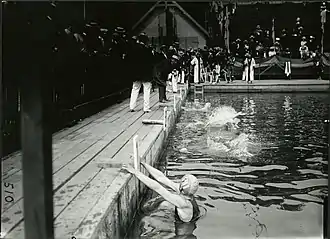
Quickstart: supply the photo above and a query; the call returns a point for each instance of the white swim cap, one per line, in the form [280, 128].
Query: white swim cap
[189, 184]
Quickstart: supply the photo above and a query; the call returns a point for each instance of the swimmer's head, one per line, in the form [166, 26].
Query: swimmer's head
[189, 184]
[207, 105]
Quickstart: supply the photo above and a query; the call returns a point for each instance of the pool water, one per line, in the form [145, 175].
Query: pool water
[275, 190]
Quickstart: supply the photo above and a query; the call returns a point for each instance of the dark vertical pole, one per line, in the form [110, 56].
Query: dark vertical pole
[322, 37]
[169, 26]
[159, 32]
[1, 90]
[36, 132]
[84, 10]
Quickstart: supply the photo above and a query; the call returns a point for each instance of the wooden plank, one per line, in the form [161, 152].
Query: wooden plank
[123, 111]
[120, 142]
[125, 154]
[58, 151]
[62, 199]
[89, 223]
[12, 164]
[11, 160]
[36, 140]
[108, 111]
[120, 110]
[74, 213]
[66, 172]
[72, 154]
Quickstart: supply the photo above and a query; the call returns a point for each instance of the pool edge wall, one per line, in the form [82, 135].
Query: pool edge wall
[255, 88]
[118, 218]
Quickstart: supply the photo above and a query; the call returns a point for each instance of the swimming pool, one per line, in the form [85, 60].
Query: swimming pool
[277, 191]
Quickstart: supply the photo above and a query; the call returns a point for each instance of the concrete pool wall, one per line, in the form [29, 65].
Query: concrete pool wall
[127, 192]
[268, 86]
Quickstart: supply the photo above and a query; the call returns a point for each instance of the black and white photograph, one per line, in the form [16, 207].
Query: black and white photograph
[164, 119]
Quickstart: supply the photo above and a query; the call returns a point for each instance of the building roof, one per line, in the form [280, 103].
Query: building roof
[173, 5]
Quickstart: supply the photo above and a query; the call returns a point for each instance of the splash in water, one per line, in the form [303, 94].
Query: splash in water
[224, 115]
[198, 107]
[223, 133]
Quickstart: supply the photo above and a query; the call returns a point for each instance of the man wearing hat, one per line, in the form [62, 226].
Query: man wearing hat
[143, 70]
[161, 71]
[304, 52]
[249, 64]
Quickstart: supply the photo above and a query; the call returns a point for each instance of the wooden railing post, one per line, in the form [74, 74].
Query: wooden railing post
[136, 153]
[165, 119]
[36, 130]
[1, 97]
[174, 103]
[37, 156]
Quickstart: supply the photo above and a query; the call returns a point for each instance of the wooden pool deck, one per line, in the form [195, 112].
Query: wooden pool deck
[83, 189]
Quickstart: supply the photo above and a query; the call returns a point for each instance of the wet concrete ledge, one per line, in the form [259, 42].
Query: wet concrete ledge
[126, 192]
[268, 86]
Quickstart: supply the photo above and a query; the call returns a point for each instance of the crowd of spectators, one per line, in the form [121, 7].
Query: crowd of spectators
[294, 43]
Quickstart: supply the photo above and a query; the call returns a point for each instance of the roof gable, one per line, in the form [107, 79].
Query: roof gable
[174, 5]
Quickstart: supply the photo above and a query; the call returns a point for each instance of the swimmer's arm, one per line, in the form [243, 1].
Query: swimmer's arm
[172, 198]
[160, 177]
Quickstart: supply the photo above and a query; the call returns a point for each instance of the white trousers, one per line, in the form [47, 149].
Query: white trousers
[135, 93]
[175, 83]
[244, 76]
[182, 77]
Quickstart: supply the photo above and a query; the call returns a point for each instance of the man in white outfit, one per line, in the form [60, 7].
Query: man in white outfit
[196, 64]
[174, 76]
[249, 65]
[143, 72]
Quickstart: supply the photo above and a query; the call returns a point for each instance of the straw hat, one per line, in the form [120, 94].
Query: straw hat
[175, 57]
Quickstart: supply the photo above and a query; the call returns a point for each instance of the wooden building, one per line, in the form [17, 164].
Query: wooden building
[166, 22]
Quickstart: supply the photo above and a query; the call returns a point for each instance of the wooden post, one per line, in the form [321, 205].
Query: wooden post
[181, 94]
[1, 97]
[165, 118]
[84, 10]
[36, 133]
[322, 38]
[37, 161]
[174, 103]
[136, 153]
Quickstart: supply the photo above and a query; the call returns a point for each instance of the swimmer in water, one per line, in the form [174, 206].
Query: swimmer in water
[205, 108]
[186, 207]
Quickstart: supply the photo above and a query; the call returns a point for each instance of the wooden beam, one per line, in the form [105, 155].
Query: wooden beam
[189, 17]
[1, 93]
[36, 135]
[145, 16]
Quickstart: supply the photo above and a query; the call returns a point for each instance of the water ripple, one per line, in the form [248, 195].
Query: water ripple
[285, 179]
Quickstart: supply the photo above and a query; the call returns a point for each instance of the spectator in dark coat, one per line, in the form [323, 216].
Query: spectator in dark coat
[161, 71]
[142, 63]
